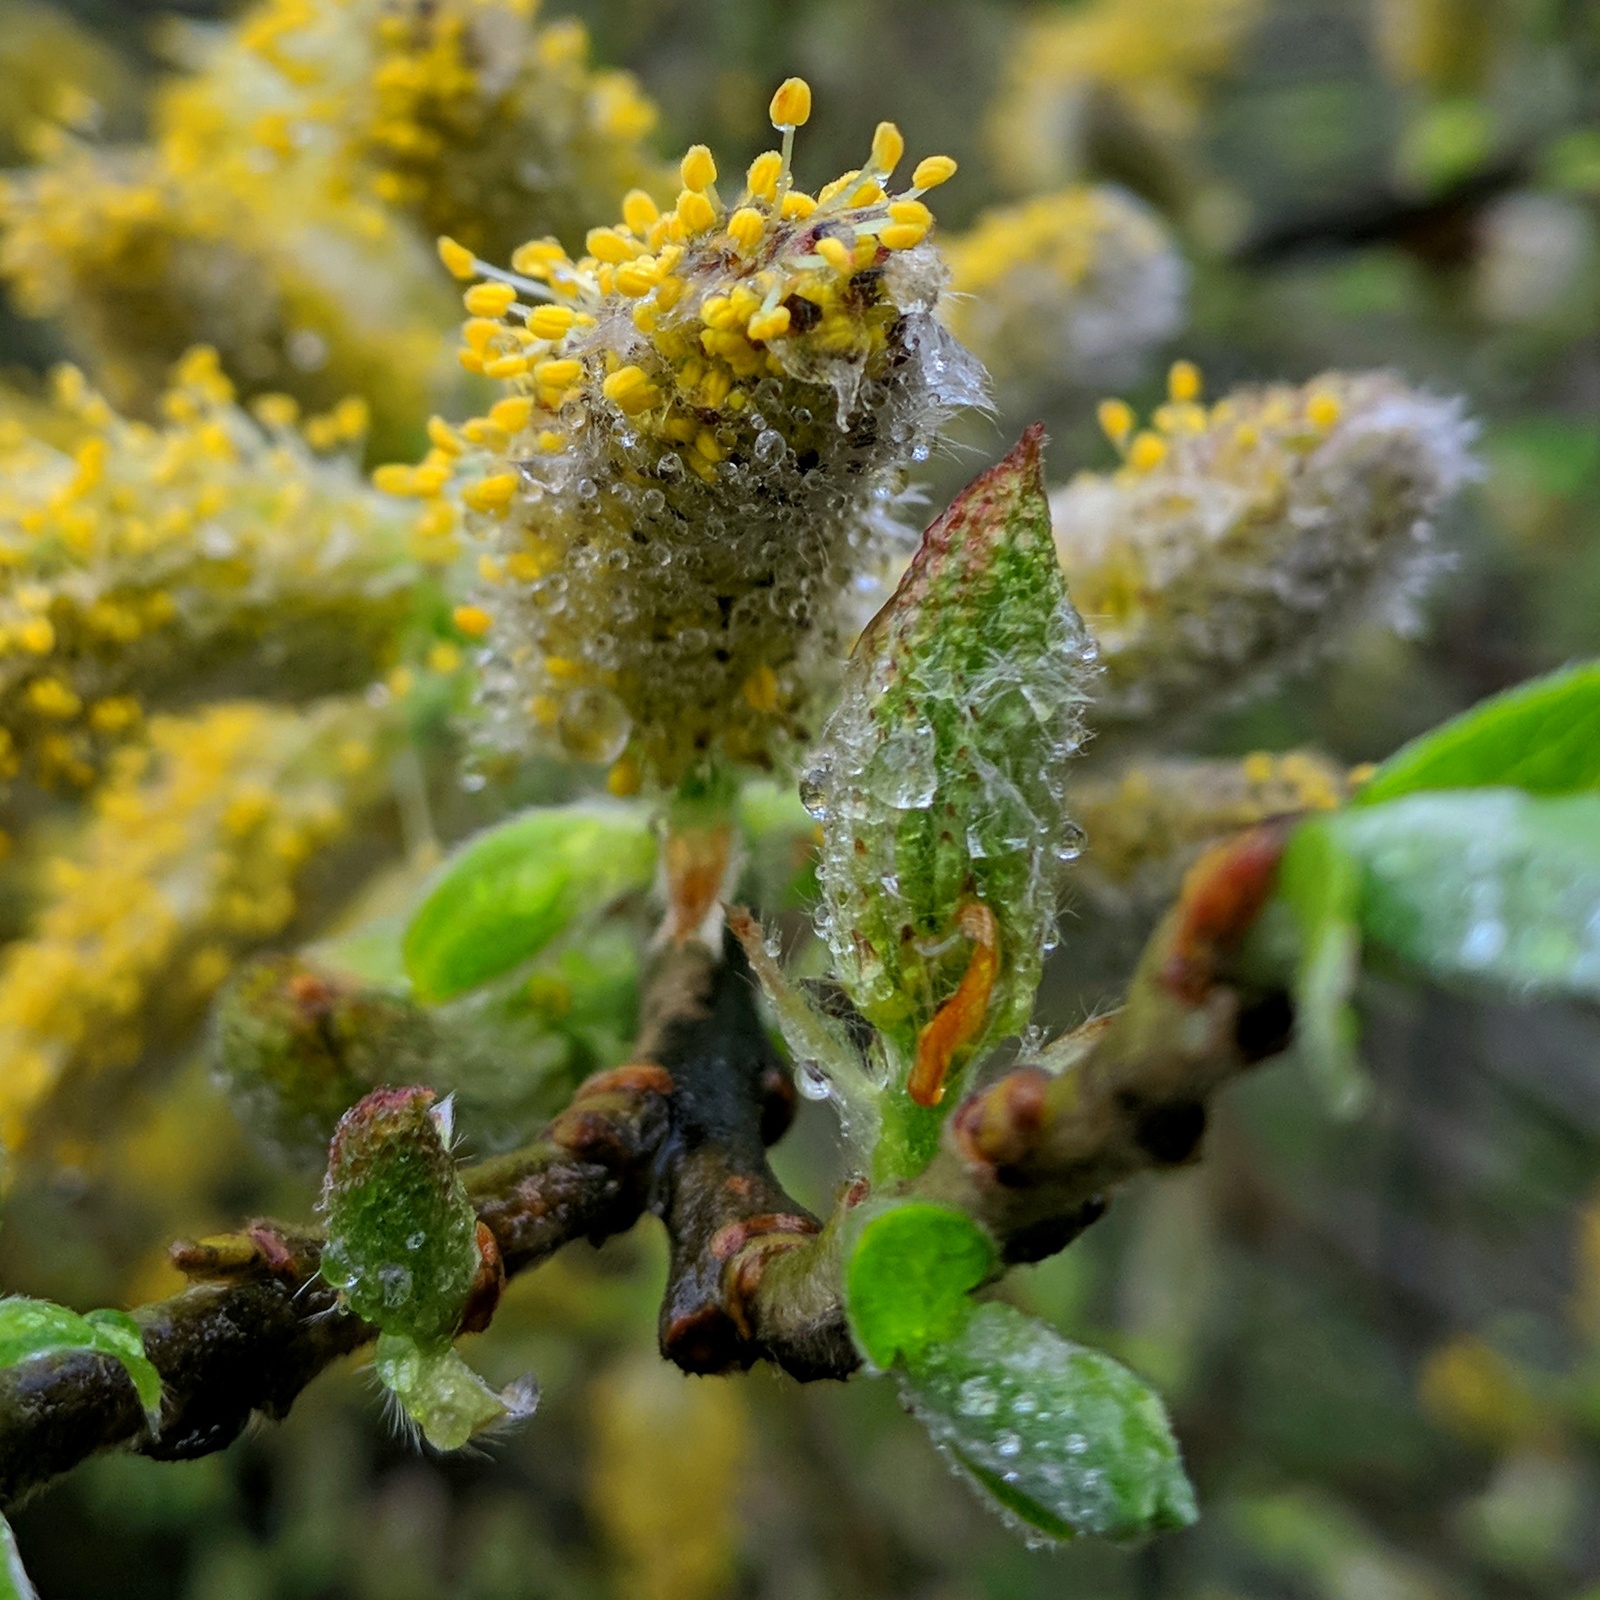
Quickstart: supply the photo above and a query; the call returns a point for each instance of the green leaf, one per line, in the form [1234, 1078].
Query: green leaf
[32, 1328]
[1543, 737]
[14, 1583]
[1321, 884]
[1491, 885]
[909, 1275]
[511, 890]
[1062, 1438]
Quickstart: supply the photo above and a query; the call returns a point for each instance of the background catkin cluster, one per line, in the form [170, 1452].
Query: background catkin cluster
[213, 542]
[1234, 538]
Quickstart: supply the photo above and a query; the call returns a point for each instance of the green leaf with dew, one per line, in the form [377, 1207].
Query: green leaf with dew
[1062, 1439]
[940, 778]
[34, 1328]
[1491, 886]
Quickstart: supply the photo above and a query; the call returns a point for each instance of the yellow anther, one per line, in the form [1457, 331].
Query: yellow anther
[760, 690]
[606, 244]
[770, 324]
[716, 311]
[836, 253]
[625, 776]
[550, 440]
[512, 414]
[458, 260]
[695, 212]
[1184, 383]
[1116, 420]
[698, 169]
[550, 322]
[637, 278]
[276, 410]
[478, 331]
[888, 146]
[501, 367]
[473, 621]
[1258, 767]
[394, 478]
[705, 442]
[902, 235]
[1247, 436]
[791, 105]
[797, 206]
[490, 570]
[115, 715]
[560, 374]
[910, 211]
[443, 437]
[489, 299]
[37, 636]
[639, 211]
[762, 178]
[630, 390]
[932, 171]
[429, 478]
[50, 697]
[538, 258]
[1147, 452]
[493, 493]
[746, 226]
[1323, 410]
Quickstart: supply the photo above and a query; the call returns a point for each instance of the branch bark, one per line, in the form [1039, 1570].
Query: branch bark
[681, 1131]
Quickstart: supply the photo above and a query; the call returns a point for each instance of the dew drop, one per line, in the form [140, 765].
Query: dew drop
[593, 725]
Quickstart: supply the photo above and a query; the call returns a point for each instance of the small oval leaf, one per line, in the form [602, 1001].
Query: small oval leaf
[1062, 1438]
[909, 1276]
[510, 891]
[1543, 737]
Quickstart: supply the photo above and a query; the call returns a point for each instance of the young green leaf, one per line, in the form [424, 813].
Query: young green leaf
[939, 781]
[909, 1276]
[33, 1328]
[1543, 737]
[509, 892]
[1321, 885]
[1064, 1440]
[14, 1583]
[1490, 885]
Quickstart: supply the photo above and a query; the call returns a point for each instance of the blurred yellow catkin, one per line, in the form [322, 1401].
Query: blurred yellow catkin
[666, 1470]
[193, 855]
[1068, 290]
[146, 555]
[1144, 63]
